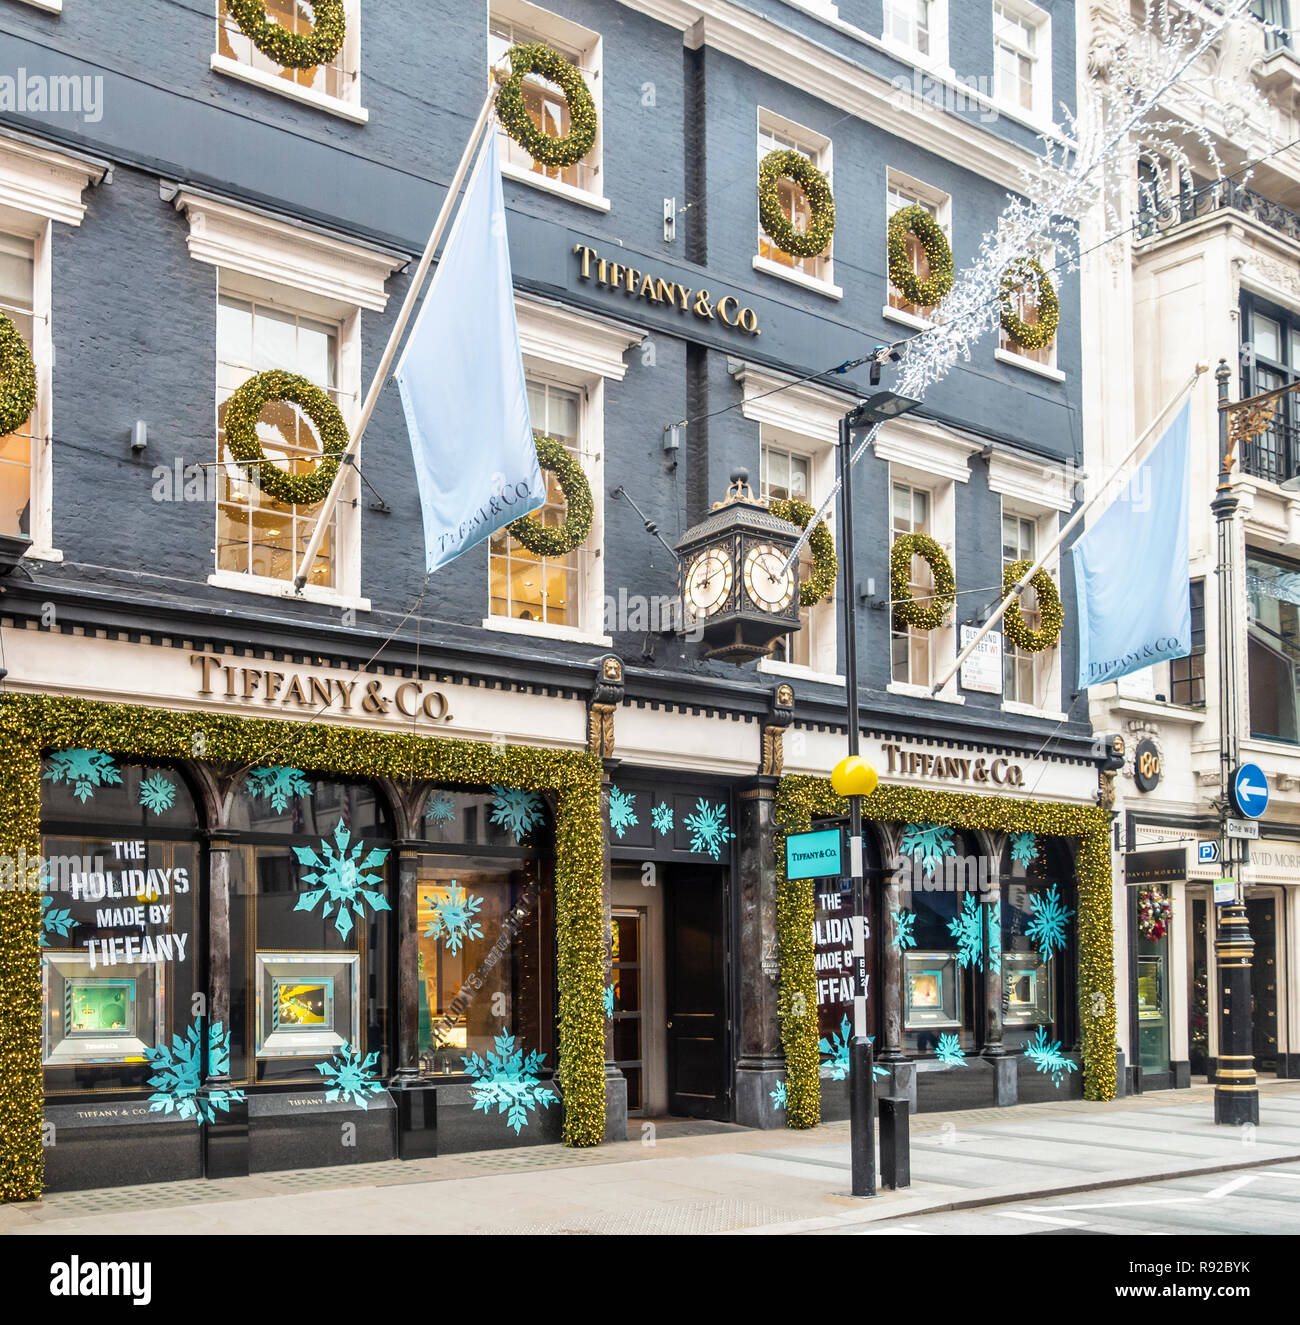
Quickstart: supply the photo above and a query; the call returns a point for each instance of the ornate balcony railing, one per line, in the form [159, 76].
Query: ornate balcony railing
[1226, 193]
[1264, 434]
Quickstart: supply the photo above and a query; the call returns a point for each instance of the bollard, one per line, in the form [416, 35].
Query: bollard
[895, 1146]
[862, 1118]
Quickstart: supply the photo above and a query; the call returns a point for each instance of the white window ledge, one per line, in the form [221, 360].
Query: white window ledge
[50, 7]
[1153, 708]
[544, 630]
[1029, 365]
[798, 672]
[271, 588]
[246, 73]
[583, 197]
[1030, 711]
[43, 554]
[783, 273]
[947, 696]
[892, 314]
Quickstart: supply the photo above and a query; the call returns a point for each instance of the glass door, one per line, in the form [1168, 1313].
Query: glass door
[1149, 922]
[629, 994]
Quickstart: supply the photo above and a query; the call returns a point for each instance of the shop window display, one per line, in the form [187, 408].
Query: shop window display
[120, 866]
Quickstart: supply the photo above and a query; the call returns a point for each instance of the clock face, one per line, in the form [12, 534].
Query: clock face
[709, 581]
[767, 581]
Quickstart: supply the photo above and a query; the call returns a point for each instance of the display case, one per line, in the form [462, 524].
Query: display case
[931, 990]
[1026, 990]
[307, 1003]
[99, 1015]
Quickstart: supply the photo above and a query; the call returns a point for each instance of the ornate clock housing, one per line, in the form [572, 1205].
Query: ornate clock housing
[735, 588]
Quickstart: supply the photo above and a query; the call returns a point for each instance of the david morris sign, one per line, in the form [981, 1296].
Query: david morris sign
[813, 855]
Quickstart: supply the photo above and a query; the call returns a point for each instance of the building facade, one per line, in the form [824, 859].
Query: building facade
[1209, 273]
[319, 866]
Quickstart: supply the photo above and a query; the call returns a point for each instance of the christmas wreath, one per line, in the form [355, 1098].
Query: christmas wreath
[907, 611]
[556, 540]
[242, 410]
[1038, 335]
[789, 164]
[917, 221]
[821, 583]
[293, 50]
[1155, 913]
[17, 378]
[1049, 608]
[544, 148]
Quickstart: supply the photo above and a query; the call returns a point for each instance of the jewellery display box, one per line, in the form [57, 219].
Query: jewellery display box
[307, 1003]
[931, 989]
[99, 1015]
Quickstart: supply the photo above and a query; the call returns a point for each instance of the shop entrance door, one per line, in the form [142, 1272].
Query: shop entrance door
[1149, 958]
[698, 1052]
[1264, 911]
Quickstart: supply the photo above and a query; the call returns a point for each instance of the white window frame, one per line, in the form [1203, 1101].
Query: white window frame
[1012, 358]
[49, 6]
[347, 107]
[937, 56]
[1041, 21]
[804, 420]
[313, 272]
[1043, 491]
[551, 29]
[819, 149]
[898, 182]
[39, 186]
[580, 353]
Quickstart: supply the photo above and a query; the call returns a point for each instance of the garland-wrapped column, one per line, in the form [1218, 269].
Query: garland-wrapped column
[760, 1063]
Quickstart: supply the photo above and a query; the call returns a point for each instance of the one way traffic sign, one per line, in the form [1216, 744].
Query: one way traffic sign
[1250, 791]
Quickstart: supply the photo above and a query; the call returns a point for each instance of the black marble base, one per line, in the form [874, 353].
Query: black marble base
[304, 1130]
[1288, 1066]
[462, 1127]
[1123, 1076]
[973, 1085]
[1006, 1080]
[1182, 1074]
[225, 1142]
[615, 1105]
[1035, 1087]
[417, 1120]
[755, 1106]
[895, 1144]
[118, 1143]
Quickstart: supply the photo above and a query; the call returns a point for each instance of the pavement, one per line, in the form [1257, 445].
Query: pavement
[675, 1176]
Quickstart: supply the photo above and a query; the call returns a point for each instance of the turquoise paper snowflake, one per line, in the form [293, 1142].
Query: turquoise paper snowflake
[609, 1002]
[441, 809]
[54, 920]
[622, 811]
[178, 1075]
[1048, 926]
[343, 877]
[929, 843]
[349, 1077]
[837, 1049]
[968, 930]
[279, 785]
[949, 1052]
[1049, 1058]
[778, 1095]
[85, 770]
[903, 938]
[708, 827]
[508, 1079]
[158, 793]
[453, 918]
[662, 818]
[518, 812]
[1024, 849]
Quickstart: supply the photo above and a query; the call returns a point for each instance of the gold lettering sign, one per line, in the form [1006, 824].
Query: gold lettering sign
[655, 290]
[951, 768]
[311, 692]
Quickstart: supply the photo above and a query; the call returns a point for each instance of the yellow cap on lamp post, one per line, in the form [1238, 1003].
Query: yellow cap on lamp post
[854, 777]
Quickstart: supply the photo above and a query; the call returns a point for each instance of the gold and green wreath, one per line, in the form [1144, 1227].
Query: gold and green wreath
[908, 613]
[1042, 333]
[545, 149]
[1049, 607]
[821, 583]
[293, 50]
[917, 221]
[557, 540]
[789, 164]
[17, 378]
[242, 410]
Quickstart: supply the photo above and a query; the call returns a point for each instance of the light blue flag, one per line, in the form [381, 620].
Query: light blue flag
[1131, 571]
[462, 382]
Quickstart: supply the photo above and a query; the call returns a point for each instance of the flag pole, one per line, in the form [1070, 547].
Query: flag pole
[1024, 583]
[395, 339]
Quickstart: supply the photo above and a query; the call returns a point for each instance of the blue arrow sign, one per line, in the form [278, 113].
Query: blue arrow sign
[1250, 790]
